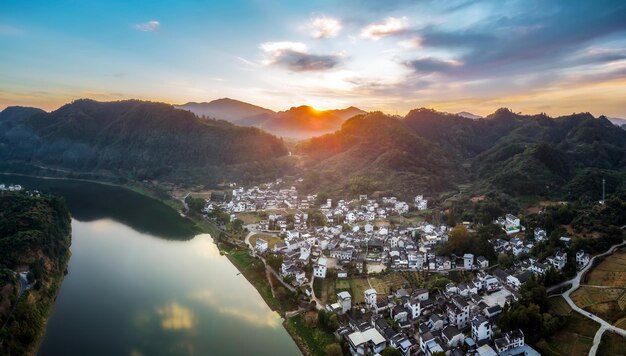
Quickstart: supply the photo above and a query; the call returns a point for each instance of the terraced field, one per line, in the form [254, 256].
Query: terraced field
[575, 338]
[610, 272]
[612, 344]
[604, 293]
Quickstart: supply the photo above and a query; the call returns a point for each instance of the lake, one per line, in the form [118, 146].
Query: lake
[141, 281]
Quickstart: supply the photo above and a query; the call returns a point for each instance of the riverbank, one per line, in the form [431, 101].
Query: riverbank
[42, 246]
[250, 267]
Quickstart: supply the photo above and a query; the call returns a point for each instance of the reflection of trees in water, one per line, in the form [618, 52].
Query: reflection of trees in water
[89, 201]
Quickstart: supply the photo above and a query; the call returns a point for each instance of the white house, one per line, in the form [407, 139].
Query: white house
[540, 235]
[345, 299]
[559, 260]
[370, 297]
[261, 245]
[582, 258]
[368, 228]
[468, 261]
[510, 340]
[482, 262]
[511, 224]
[368, 342]
[415, 308]
[481, 328]
[319, 270]
[421, 203]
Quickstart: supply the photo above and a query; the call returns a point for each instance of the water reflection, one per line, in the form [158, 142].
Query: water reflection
[92, 201]
[175, 317]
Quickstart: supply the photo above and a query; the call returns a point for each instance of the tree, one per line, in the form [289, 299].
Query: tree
[311, 319]
[334, 350]
[195, 204]
[390, 351]
[505, 260]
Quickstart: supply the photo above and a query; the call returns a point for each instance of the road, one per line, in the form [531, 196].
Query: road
[575, 282]
[268, 267]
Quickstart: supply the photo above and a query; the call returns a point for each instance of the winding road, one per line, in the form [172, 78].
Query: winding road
[575, 282]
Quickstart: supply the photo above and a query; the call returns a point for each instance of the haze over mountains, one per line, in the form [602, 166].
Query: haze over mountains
[297, 122]
[137, 140]
[369, 153]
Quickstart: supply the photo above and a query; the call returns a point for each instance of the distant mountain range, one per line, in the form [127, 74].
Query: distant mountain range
[297, 122]
[353, 152]
[617, 121]
[430, 151]
[469, 115]
[138, 140]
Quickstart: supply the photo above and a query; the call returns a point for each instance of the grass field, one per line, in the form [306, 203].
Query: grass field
[612, 344]
[248, 218]
[575, 338]
[271, 239]
[314, 339]
[558, 306]
[610, 272]
[357, 286]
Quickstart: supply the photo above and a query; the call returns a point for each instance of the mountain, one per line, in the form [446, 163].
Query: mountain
[617, 121]
[429, 152]
[304, 121]
[469, 115]
[139, 140]
[297, 122]
[225, 109]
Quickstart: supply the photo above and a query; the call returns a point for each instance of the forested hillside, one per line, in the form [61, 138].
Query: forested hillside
[138, 140]
[428, 151]
[35, 238]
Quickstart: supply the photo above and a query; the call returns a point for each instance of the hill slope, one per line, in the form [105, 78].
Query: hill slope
[297, 122]
[225, 109]
[139, 140]
[429, 151]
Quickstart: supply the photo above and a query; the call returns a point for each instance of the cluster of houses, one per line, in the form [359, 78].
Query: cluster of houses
[510, 224]
[416, 322]
[405, 248]
[10, 188]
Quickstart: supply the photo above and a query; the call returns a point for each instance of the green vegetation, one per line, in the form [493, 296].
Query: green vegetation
[139, 141]
[34, 234]
[574, 337]
[253, 269]
[310, 334]
[612, 344]
[429, 151]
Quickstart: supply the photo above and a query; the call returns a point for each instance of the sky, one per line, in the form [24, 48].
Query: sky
[531, 56]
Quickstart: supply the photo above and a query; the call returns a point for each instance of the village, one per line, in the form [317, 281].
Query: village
[317, 239]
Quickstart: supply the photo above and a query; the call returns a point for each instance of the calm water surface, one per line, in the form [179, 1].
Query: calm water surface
[142, 282]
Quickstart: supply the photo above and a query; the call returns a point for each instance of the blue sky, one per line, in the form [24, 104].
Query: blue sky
[533, 56]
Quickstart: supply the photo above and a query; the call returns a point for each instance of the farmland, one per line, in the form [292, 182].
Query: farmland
[610, 272]
[604, 293]
[612, 344]
[603, 302]
[575, 338]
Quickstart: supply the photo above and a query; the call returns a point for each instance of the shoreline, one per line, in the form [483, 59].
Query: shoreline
[198, 223]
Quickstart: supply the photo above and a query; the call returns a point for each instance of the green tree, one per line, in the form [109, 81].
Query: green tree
[390, 351]
[333, 350]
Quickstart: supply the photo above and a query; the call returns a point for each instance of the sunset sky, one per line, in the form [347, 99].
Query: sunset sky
[532, 56]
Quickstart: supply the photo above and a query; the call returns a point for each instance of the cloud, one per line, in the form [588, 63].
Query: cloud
[411, 43]
[432, 65]
[176, 317]
[147, 26]
[389, 26]
[294, 56]
[325, 27]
